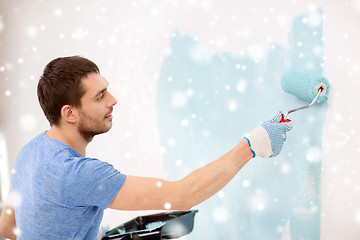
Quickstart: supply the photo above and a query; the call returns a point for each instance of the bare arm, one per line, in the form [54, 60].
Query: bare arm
[141, 193]
[7, 220]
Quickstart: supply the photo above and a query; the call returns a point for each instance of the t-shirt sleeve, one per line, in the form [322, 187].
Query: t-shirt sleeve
[91, 182]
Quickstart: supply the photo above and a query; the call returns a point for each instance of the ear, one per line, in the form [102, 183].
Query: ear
[68, 113]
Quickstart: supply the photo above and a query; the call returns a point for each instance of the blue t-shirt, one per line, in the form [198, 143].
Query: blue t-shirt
[58, 193]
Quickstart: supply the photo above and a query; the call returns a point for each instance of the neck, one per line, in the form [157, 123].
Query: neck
[72, 137]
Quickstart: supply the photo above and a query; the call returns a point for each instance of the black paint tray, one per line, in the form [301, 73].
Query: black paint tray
[168, 225]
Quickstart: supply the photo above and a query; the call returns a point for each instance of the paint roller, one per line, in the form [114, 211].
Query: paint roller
[308, 86]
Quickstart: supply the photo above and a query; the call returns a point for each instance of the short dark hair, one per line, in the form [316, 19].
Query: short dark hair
[60, 84]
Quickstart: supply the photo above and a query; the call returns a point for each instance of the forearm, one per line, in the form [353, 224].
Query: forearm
[141, 193]
[7, 220]
[7, 230]
[208, 180]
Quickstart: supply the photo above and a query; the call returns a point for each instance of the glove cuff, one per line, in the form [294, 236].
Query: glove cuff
[259, 142]
[250, 147]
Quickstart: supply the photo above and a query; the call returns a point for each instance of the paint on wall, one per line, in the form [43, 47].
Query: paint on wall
[207, 103]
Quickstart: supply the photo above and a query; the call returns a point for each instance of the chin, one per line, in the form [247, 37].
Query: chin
[89, 134]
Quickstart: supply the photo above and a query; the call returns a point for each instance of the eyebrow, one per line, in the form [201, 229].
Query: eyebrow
[101, 91]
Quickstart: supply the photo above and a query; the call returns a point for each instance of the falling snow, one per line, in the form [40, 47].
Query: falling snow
[357, 216]
[179, 99]
[126, 37]
[220, 214]
[1, 24]
[241, 86]
[16, 199]
[28, 122]
[7, 93]
[167, 205]
[246, 183]
[32, 31]
[313, 155]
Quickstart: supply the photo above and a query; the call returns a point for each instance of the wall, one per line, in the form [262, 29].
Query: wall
[148, 48]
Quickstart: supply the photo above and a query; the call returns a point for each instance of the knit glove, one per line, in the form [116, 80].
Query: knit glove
[267, 139]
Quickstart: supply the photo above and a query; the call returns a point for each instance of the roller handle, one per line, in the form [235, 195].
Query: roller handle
[283, 119]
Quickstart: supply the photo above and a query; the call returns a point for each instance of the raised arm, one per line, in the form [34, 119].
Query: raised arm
[7, 220]
[140, 193]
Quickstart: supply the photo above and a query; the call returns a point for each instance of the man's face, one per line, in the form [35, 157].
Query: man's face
[96, 107]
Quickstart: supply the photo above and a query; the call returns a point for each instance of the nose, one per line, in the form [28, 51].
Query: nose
[112, 100]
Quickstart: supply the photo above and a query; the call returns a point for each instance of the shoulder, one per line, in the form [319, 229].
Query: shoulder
[32, 146]
[43, 141]
[84, 167]
[43, 147]
[89, 181]
[35, 141]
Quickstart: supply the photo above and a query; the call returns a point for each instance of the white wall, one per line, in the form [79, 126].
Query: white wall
[129, 39]
[341, 142]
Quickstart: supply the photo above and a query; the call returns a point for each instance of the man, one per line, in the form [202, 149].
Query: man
[61, 193]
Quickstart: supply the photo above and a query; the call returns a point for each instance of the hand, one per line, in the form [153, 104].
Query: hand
[267, 139]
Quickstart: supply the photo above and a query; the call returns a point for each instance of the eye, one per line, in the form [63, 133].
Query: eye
[101, 95]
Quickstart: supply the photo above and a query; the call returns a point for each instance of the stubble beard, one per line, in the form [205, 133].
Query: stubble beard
[89, 127]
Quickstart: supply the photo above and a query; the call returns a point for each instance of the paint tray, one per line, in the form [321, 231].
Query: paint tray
[168, 225]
